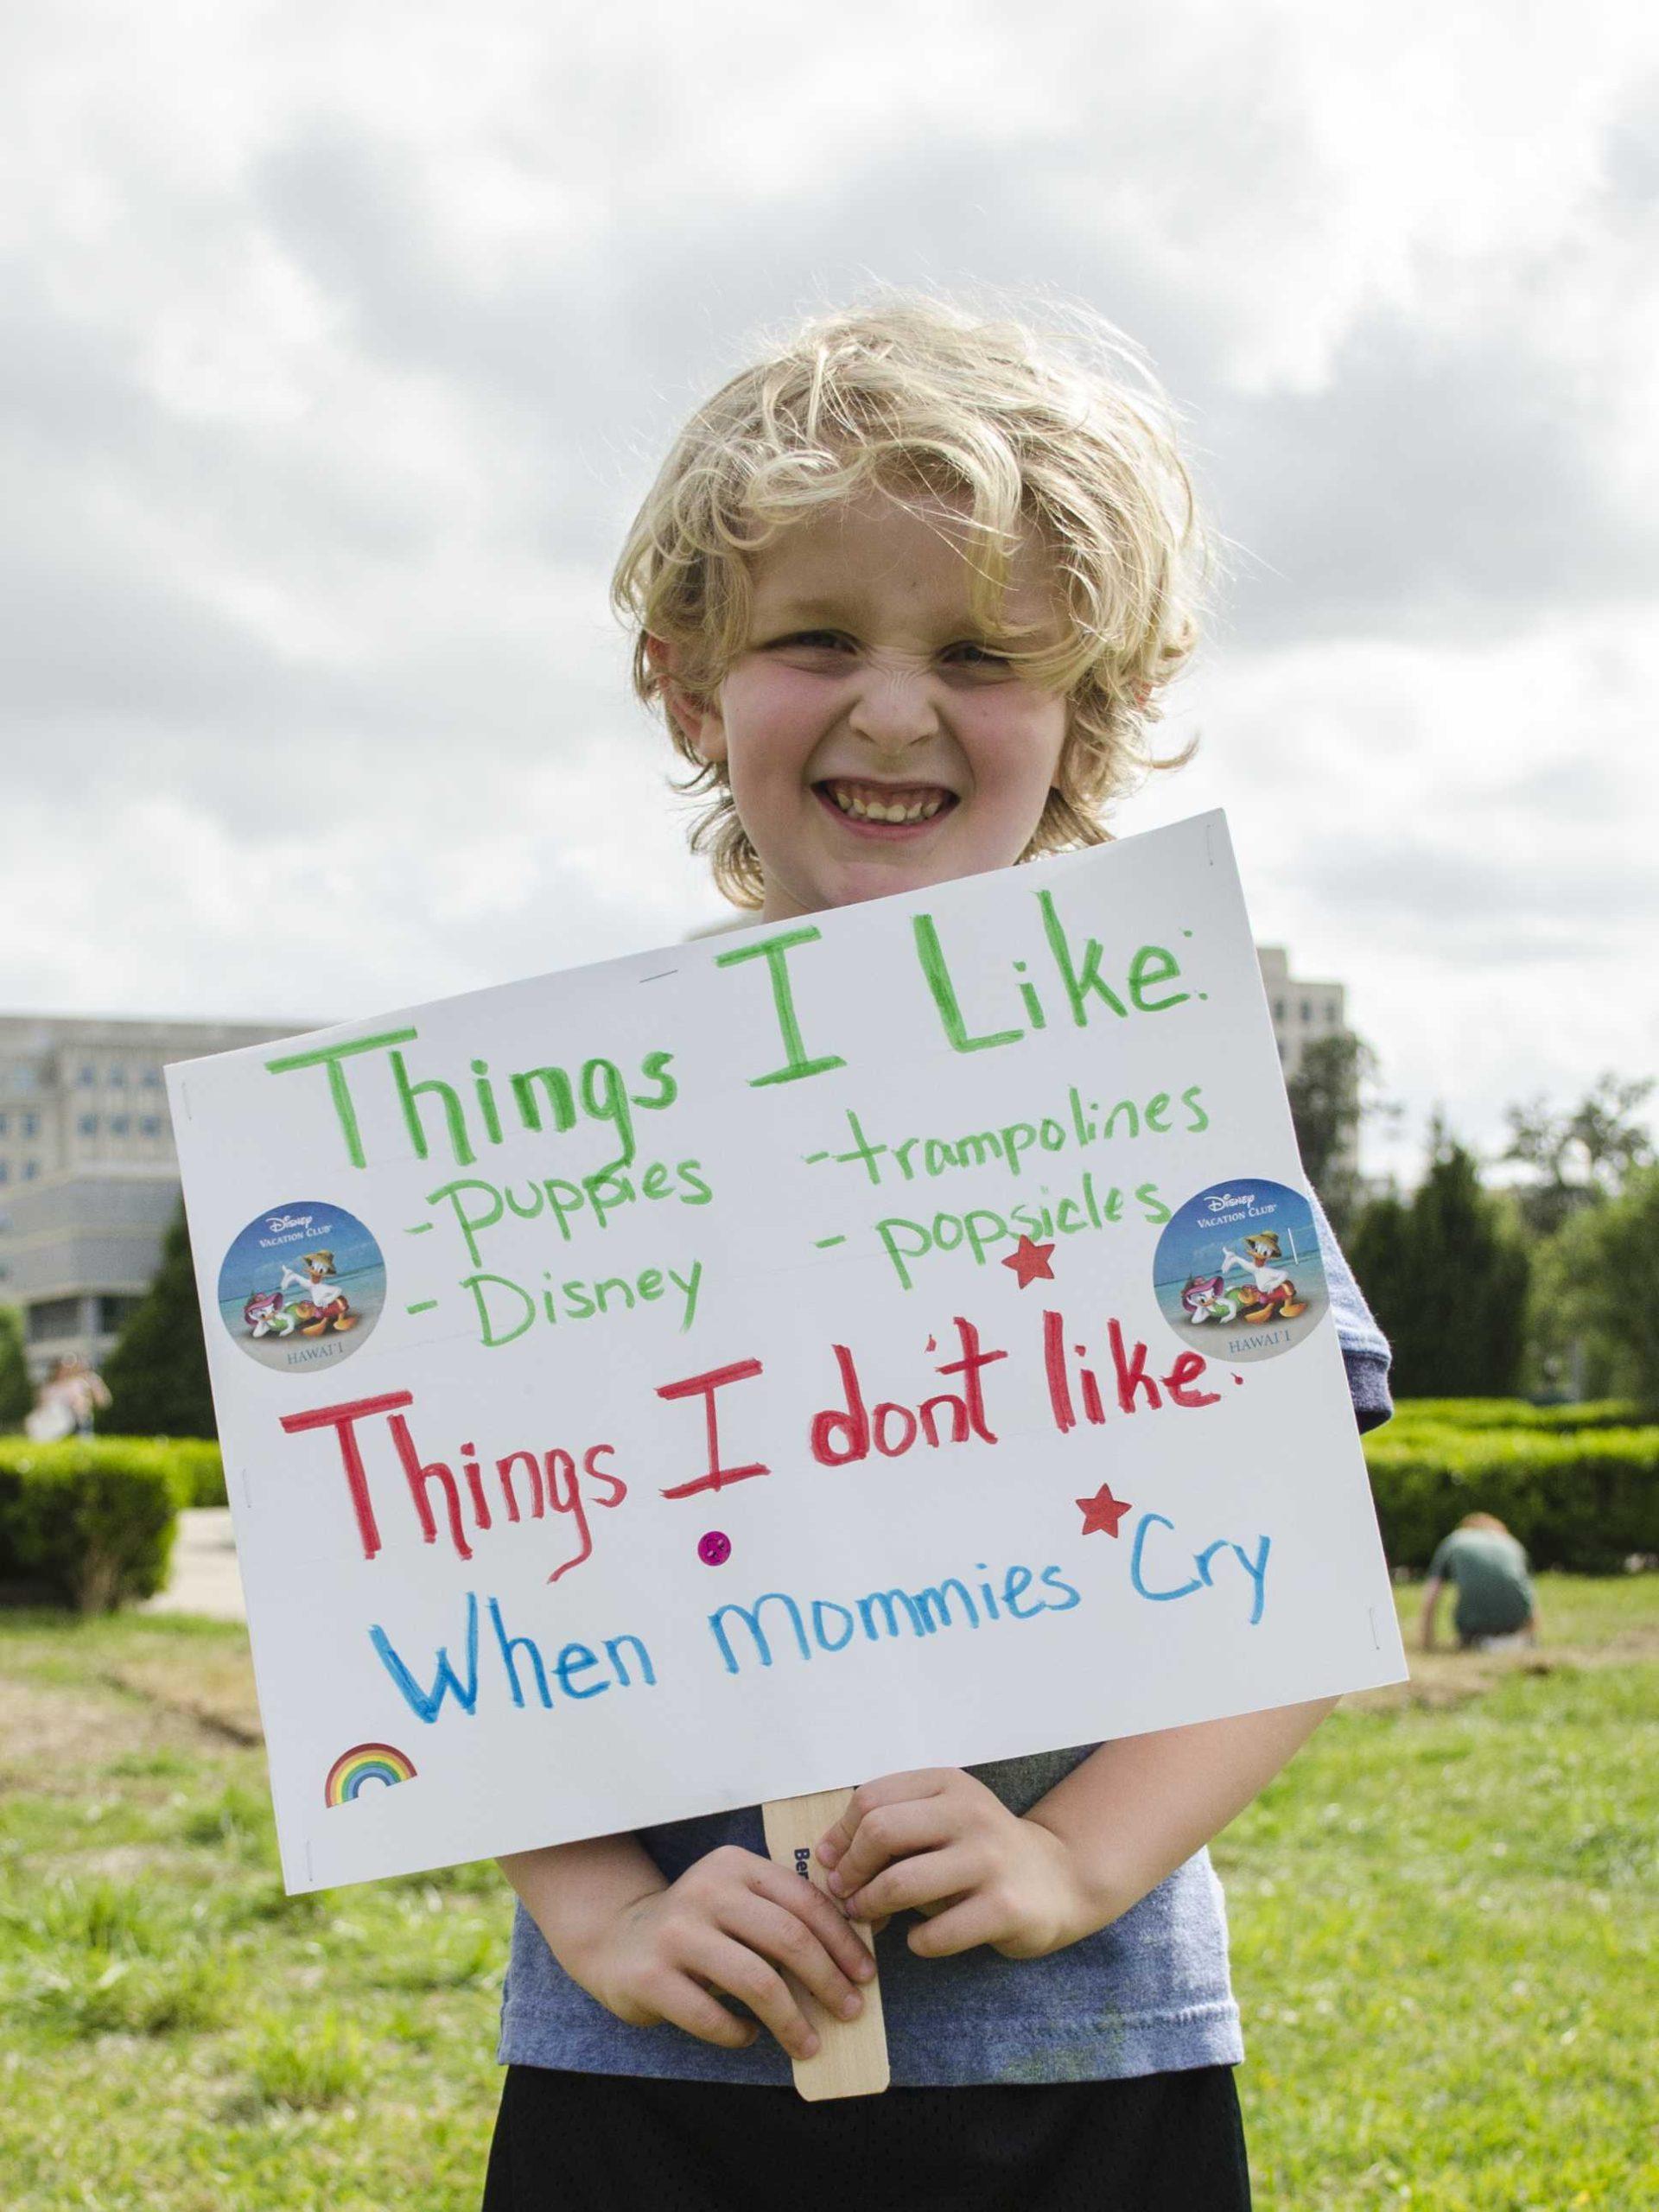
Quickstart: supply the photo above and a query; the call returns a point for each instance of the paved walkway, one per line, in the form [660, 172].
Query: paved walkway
[206, 1578]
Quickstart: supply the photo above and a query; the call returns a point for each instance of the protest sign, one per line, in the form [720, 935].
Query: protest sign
[892, 1338]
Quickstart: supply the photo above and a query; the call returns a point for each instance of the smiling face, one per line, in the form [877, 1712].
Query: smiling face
[873, 738]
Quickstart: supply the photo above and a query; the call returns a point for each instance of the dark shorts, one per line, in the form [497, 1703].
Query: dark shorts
[620, 2142]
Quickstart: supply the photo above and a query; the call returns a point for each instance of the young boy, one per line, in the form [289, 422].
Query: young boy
[908, 590]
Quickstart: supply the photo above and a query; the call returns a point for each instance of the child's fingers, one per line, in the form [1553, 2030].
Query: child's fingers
[979, 1918]
[790, 1943]
[807, 1905]
[890, 1789]
[723, 1961]
[685, 2003]
[890, 1832]
[911, 1885]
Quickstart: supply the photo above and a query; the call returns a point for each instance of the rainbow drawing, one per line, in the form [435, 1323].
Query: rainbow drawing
[365, 1762]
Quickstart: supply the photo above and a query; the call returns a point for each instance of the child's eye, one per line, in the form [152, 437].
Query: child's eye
[966, 652]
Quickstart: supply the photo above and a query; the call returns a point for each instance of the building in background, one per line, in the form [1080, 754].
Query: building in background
[89, 1180]
[1302, 1012]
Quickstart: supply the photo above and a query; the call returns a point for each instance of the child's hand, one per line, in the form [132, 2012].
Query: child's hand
[941, 1843]
[729, 1923]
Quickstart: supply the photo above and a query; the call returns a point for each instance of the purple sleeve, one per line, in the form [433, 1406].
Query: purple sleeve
[1365, 1352]
[1368, 1386]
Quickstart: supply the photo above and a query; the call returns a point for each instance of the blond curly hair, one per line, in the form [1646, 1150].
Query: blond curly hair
[1055, 424]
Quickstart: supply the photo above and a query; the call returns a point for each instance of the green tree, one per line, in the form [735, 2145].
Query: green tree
[1333, 1090]
[157, 1370]
[1576, 1161]
[1447, 1279]
[16, 1391]
[1579, 1158]
[1598, 1279]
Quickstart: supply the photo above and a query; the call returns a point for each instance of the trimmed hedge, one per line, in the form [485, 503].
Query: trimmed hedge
[1582, 1502]
[192, 1464]
[1514, 1412]
[197, 1470]
[89, 1523]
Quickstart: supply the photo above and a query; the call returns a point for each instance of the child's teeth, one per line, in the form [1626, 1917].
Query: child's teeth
[875, 809]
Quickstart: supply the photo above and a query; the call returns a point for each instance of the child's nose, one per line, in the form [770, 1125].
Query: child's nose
[895, 708]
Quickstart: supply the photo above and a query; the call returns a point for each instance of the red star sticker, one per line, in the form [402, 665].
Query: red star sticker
[1030, 1261]
[1103, 1510]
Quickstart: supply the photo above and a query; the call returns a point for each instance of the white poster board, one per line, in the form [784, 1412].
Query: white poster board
[893, 1339]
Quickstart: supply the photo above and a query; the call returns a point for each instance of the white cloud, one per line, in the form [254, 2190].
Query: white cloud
[1464, 836]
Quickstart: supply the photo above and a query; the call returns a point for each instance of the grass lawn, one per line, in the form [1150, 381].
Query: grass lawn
[1443, 1918]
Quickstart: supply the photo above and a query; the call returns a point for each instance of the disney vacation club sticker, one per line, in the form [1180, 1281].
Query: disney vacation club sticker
[1238, 1273]
[302, 1286]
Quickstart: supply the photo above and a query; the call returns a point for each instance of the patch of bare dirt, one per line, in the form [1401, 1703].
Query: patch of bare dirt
[179, 1699]
[50, 1734]
[212, 1687]
[122, 1862]
[1446, 1678]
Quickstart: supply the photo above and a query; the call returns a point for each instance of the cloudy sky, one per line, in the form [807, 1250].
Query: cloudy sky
[339, 344]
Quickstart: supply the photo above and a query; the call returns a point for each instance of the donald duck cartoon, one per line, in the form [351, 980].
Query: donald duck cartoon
[1272, 1292]
[322, 1305]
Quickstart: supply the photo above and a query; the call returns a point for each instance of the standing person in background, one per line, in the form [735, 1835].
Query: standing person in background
[84, 1391]
[52, 1416]
[1496, 1605]
[69, 1397]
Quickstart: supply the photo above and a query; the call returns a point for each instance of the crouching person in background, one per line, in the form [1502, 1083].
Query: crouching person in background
[1496, 1608]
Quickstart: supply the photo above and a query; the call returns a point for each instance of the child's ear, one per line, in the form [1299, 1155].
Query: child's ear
[700, 726]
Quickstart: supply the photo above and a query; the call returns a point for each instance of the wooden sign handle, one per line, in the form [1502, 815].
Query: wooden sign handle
[851, 2060]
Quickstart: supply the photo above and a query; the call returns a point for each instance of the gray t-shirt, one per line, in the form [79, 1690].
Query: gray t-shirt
[1148, 1994]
